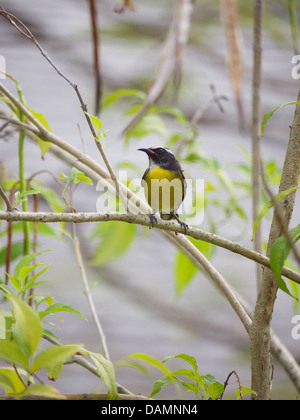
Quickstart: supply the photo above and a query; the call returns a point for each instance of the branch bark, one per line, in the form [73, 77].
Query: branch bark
[260, 335]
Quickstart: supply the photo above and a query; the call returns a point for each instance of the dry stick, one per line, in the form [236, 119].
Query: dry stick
[227, 381]
[260, 335]
[256, 105]
[96, 57]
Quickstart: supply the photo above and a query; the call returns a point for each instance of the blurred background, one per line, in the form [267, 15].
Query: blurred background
[135, 294]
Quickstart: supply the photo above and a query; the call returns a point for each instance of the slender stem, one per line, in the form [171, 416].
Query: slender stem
[22, 175]
[256, 88]
[88, 293]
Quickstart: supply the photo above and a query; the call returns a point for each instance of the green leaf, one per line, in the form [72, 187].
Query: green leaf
[11, 352]
[189, 359]
[25, 261]
[149, 124]
[190, 386]
[17, 385]
[106, 372]
[95, 121]
[121, 93]
[269, 114]
[158, 365]
[245, 391]
[15, 282]
[279, 253]
[6, 383]
[134, 365]
[161, 383]
[115, 240]
[60, 307]
[30, 282]
[270, 204]
[215, 390]
[27, 329]
[152, 361]
[44, 145]
[80, 177]
[46, 391]
[53, 356]
[185, 268]
[6, 290]
[17, 249]
[25, 271]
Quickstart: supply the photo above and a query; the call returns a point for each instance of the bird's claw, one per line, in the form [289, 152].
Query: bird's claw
[152, 220]
[182, 224]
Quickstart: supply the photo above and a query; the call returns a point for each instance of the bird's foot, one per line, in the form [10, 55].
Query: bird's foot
[152, 220]
[182, 224]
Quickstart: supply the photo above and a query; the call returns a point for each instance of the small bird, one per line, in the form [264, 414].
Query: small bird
[164, 184]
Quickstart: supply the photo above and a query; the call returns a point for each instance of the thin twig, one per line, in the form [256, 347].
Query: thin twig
[216, 99]
[5, 199]
[256, 107]
[96, 55]
[227, 381]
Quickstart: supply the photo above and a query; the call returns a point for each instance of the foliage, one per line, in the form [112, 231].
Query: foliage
[204, 387]
[20, 343]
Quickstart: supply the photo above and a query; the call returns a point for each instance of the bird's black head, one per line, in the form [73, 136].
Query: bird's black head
[161, 156]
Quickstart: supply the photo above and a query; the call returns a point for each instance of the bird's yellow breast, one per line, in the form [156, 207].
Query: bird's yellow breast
[164, 189]
[161, 173]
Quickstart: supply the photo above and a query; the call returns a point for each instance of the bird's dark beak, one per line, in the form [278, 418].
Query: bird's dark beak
[149, 152]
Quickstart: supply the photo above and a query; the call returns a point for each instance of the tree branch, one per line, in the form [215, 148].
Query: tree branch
[260, 335]
[143, 219]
